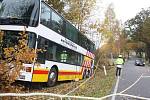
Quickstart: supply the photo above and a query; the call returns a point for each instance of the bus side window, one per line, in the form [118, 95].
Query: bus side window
[51, 51]
[80, 59]
[41, 55]
[57, 23]
[73, 57]
[58, 49]
[71, 32]
[45, 15]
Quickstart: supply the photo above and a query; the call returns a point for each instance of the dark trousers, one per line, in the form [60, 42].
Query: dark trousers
[118, 71]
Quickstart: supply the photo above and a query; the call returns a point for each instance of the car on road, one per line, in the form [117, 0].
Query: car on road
[139, 62]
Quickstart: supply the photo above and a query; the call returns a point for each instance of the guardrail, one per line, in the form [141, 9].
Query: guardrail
[68, 96]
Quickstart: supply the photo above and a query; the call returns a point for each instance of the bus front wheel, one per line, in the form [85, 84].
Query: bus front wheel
[52, 77]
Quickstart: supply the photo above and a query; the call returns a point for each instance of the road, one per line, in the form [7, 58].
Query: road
[135, 80]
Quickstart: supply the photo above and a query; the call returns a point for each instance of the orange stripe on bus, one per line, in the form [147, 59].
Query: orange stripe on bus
[40, 72]
[69, 73]
[60, 73]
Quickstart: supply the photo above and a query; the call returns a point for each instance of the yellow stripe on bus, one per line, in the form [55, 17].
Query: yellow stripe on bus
[69, 77]
[40, 78]
[44, 77]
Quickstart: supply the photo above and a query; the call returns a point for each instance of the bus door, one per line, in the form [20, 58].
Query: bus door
[79, 68]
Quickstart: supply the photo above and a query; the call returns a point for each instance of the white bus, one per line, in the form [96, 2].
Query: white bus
[68, 54]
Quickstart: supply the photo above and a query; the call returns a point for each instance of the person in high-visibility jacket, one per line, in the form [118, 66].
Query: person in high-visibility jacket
[119, 65]
[64, 56]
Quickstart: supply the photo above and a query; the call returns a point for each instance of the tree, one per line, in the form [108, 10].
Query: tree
[79, 11]
[57, 5]
[138, 28]
[12, 61]
[135, 25]
[110, 28]
[108, 23]
[145, 31]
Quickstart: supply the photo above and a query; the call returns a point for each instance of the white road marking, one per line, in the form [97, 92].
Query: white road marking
[115, 89]
[145, 76]
[132, 84]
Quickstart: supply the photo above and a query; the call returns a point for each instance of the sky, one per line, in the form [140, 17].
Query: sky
[125, 9]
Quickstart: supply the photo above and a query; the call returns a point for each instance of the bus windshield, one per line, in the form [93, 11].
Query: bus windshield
[19, 12]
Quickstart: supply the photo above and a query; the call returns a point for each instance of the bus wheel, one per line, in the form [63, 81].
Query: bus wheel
[52, 77]
[84, 75]
[88, 74]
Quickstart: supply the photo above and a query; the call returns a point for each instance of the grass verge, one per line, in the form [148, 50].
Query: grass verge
[99, 86]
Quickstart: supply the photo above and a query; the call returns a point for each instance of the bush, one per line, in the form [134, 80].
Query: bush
[12, 62]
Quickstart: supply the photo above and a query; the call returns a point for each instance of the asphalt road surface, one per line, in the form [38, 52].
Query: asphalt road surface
[134, 80]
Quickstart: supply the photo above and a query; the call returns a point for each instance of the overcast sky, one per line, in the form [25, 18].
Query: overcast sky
[125, 9]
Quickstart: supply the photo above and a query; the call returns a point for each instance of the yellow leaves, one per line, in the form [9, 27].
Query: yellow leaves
[28, 56]
[9, 53]
[14, 57]
[134, 46]
[108, 47]
[110, 27]
[79, 11]
[1, 36]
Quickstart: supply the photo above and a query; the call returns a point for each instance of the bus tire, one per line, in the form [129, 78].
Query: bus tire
[84, 75]
[88, 74]
[52, 77]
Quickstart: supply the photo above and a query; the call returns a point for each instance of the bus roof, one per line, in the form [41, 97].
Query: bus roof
[45, 1]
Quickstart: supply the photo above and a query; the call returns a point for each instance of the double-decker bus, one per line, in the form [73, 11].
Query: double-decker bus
[68, 54]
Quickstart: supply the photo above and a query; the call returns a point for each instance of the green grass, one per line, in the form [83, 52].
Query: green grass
[106, 84]
[98, 86]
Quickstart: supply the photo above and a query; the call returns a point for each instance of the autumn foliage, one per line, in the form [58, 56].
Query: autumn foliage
[12, 61]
